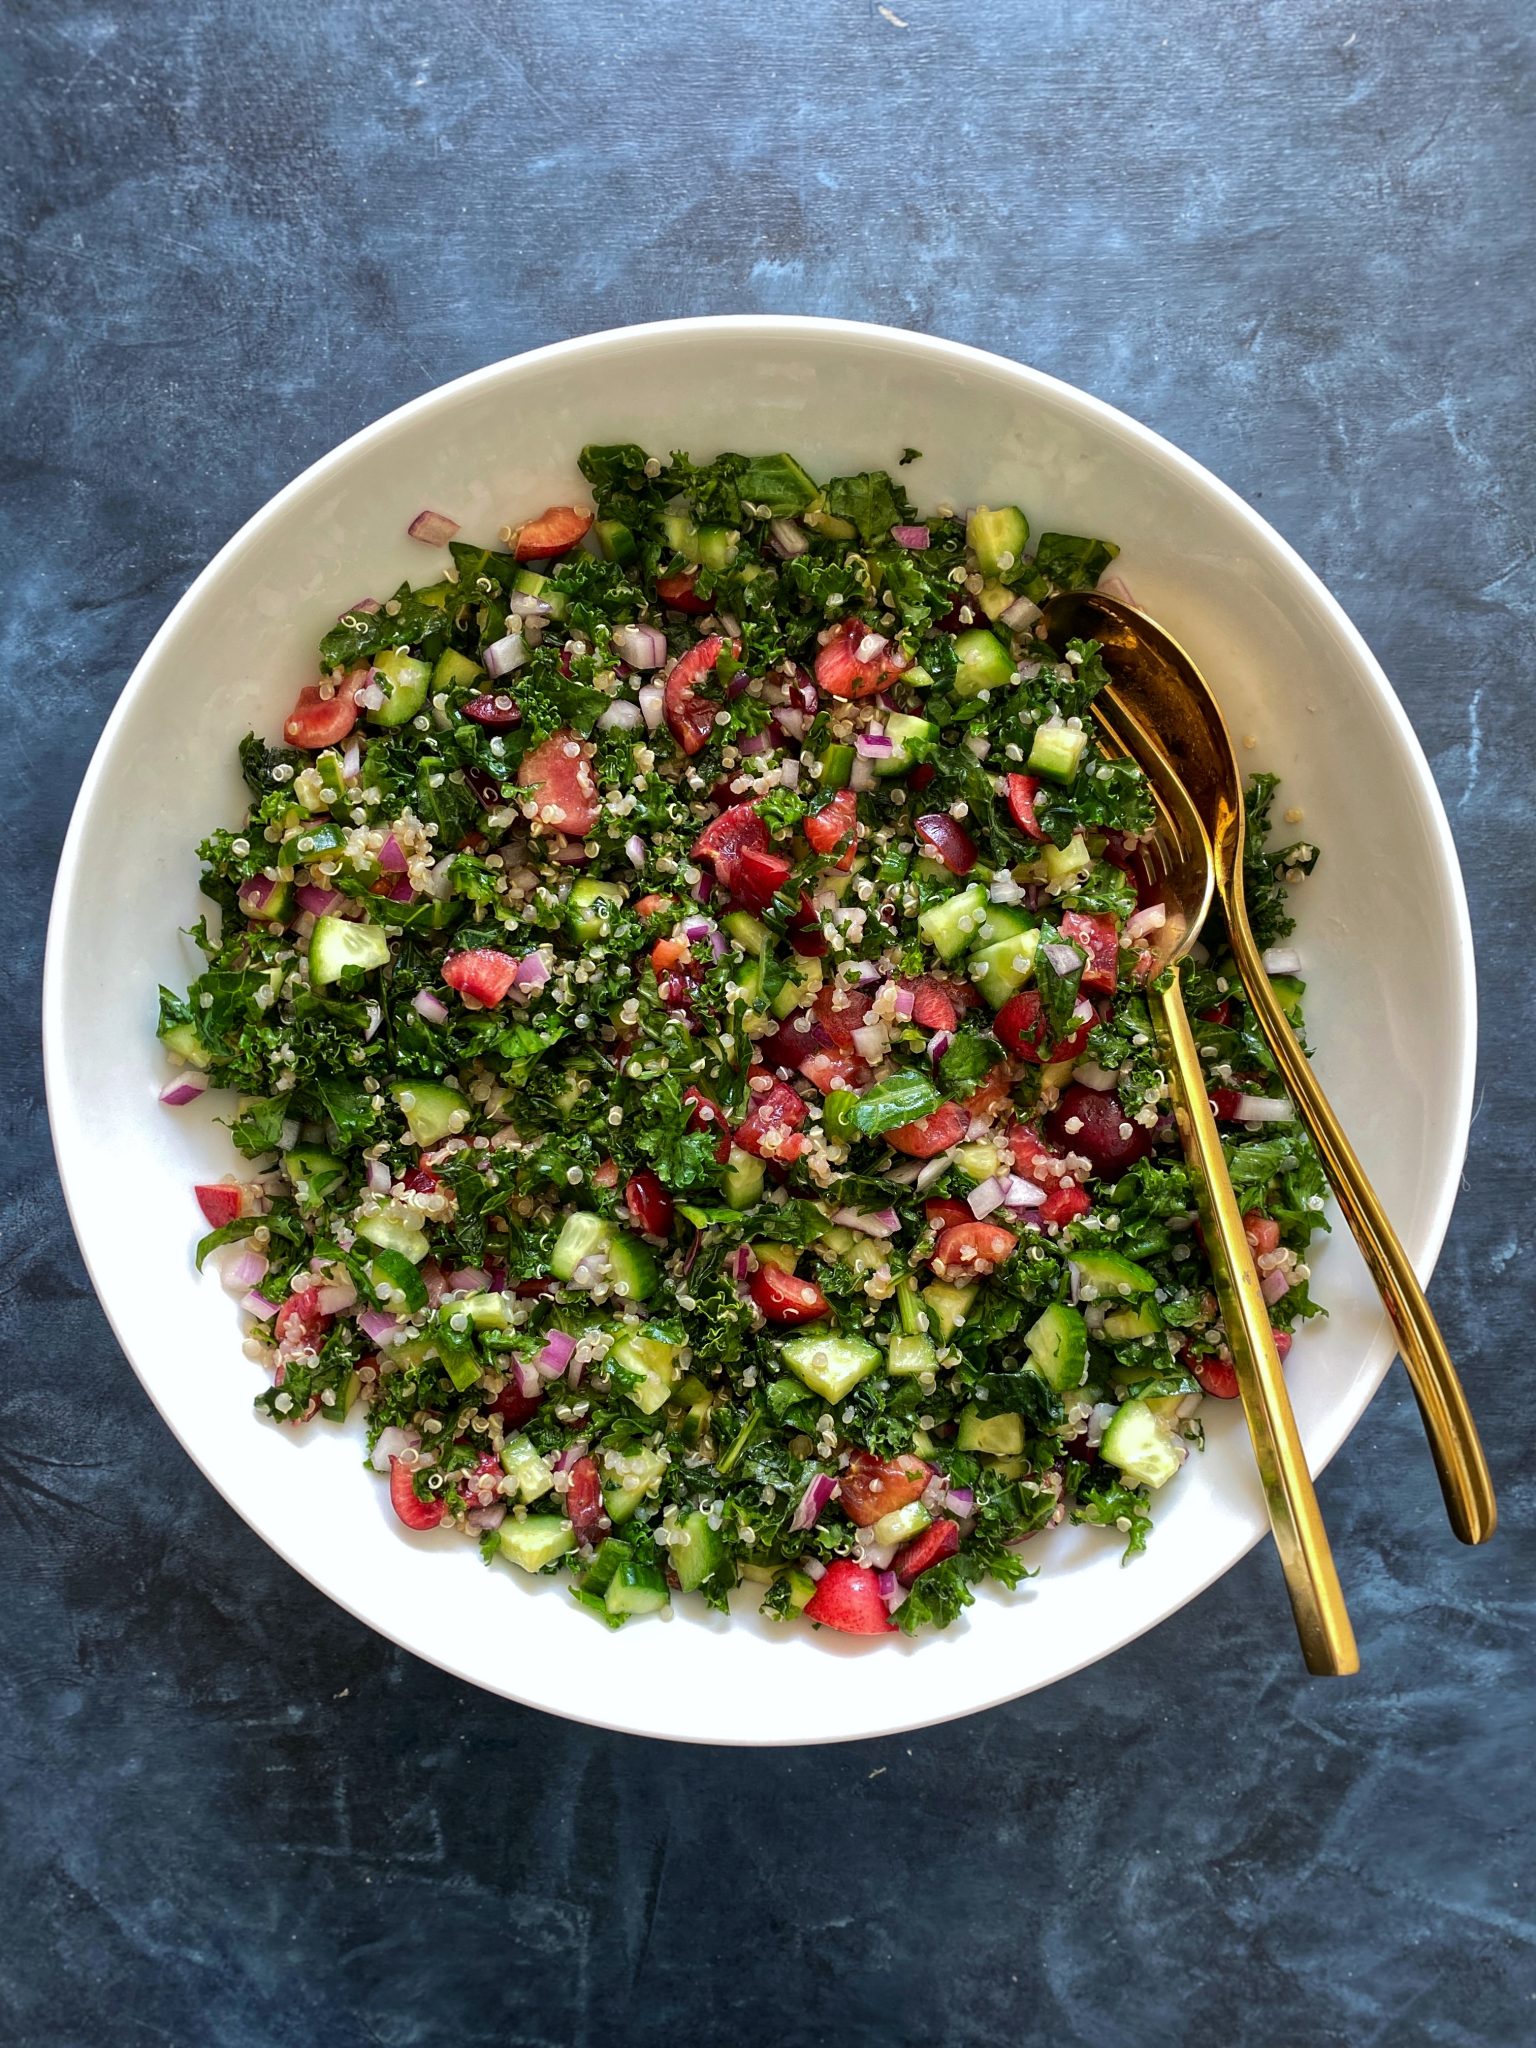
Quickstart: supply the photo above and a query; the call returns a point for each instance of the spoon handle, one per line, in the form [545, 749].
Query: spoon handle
[1453, 1438]
[1317, 1601]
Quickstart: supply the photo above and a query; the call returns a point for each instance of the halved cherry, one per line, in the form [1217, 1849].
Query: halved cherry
[416, 1514]
[933, 1008]
[844, 670]
[1262, 1232]
[932, 1134]
[770, 1128]
[678, 591]
[840, 1012]
[1022, 791]
[482, 972]
[301, 1319]
[872, 1487]
[804, 932]
[759, 878]
[1097, 936]
[554, 532]
[704, 1115]
[1218, 1014]
[832, 1070]
[993, 1093]
[847, 1598]
[1095, 1124]
[1218, 1376]
[221, 1202]
[725, 839]
[1065, 1205]
[939, 1540]
[496, 710]
[689, 714]
[320, 721]
[786, 1298]
[558, 775]
[829, 825]
[969, 1250]
[1021, 1025]
[948, 840]
[945, 1214]
[584, 1501]
[649, 1203]
[423, 1181]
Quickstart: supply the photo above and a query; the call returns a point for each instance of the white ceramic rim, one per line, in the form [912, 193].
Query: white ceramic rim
[959, 355]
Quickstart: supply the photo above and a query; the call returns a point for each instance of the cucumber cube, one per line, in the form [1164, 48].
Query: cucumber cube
[696, 1553]
[1057, 751]
[404, 681]
[336, 944]
[1057, 1343]
[1065, 863]
[535, 1541]
[589, 909]
[950, 927]
[902, 1524]
[1001, 969]
[990, 535]
[520, 1461]
[830, 1366]
[984, 663]
[947, 1306]
[431, 1111]
[906, 1356]
[1139, 1446]
[1001, 1436]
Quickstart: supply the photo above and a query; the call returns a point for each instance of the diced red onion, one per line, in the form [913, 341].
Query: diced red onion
[435, 528]
[392, 857]
[404, 891]
[377, 1325]
[788, 538]
[468, 1280]
[522, 604]
[789, 773]
[255, 895]
[504, 655]
[704, 929]
[556, 1354]
[877, 1555]
[1282, 960]
[622, 716]
[432, 1007]
[815, 1497]
[634, 846]
[487, 1518]
[317, 901]
[871, 1222]
[1100, 1079]
[1265, 1109]
[871, 1043]
[257, 1305]
[874, 745]
[978, 744]
[530, 1383]
[960, 1502]
[571, 1455]
[248, 1270]
[791, 723]
[1064, 959]
[641, 646]
[861, 776]
[1143, 922]
[352, 761]
[1019, 1193]
[393, 1443]
[939, 1044]
[183, 1088]
[378, 1177]
[911, 536]
[569, 853]
[1021, 613]
[1275, 1285]
[813, 1567]
[742, 1264]
[803, 694]
[892, 1591]
[871, 645]
[904, 1004]
[337, 1296]
[364, 608]
[532, 971]
[652, 699]
[935, 1169]
[986, 1196]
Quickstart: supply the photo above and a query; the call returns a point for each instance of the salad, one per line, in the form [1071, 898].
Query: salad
[681, 987]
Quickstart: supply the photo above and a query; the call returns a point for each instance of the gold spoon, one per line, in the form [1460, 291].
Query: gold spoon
[1188, 883]
[1160, 700]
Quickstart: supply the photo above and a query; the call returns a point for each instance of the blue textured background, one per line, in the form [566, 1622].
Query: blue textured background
[1295, 237]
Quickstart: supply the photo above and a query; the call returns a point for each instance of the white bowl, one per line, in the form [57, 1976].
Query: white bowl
[1383, 934]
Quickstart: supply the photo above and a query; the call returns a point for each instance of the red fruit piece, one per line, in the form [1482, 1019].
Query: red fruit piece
[416, 1514]
[829, 1071]
[933, 1008]
[990, 1097]
[1104, 1134]
[804, 932]
[482, 972]
[558, 775]
[840, 1012]
[945, 1214]
[840, 670]
[299, 1320]
[1020, 1024]
[1098, 936]
[948, 840]
[1217, 1376]
[1262, 1233]
[319, 721]
[1219, 1014]
[932, 1134]
[493, 710]
[939, 1540]
[514, 1407]
[584, 1501]
[725, 839]
[1065, 1205]
[829, 825]
[770, 1129]
[872, 1487]
[221, 1203]
[554, 532]
[704, 1115]
[689, 714]
[422, 1180]
[649, 1204]
[1022, 791]
[1283, 1341]
[848, 1599]
[969, 1249]
[1030, 1150]
[759, 878]
[785, 1298]
[678, 592]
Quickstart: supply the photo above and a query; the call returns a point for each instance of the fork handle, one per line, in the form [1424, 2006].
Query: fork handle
[1453, 1438]
[1317, 1601]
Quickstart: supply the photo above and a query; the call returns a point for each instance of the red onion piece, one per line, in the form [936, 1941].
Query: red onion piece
[435, 528]
[393, 1443]
[364, 608]
[787, 539]
[1265, 1109]
[892, 1592]
[934, 1170]
[791, 723]
[641, 646]
[530, 1383]
[487, 1518]
[255, 895]
[1141, 922]
[904, 1004]
[504, 655]
[556, 1354]
[1019, 1193]
[336, 1296]
[571, 1455]
[317, 901]
[522, 604]
[392, 857]
[861, 776]
[352, 761]
[532, 971]
[939, 1044]
[870, 646]
[960, 1502]
[911, 536]
[652, 700]
[754, 744]
[257, 1305]
[1276, 1285]
[634, 846]
[377, 1325]
[815, 1497]
[427, 1005]
[871, 1222]
[184, 1088]
[622, 716]
[985, 1197]
[1021, 613]
[468, 1280]
[874, 745]
[378, 1177]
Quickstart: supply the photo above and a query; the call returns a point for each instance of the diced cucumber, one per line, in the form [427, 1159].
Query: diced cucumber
[1066, 863]
[978, 1161]
[615, 542]
[717, 546]
[637, 1587]
[589, 909]
[310, 839]
[520, 1461]
[182, 1039]
[1001, 1435]
[275, 907]
[993, 535]
[529, 583]
[336, 944]
[1139, 1446]
[1001, 969]
[907, 735]
[802, 982]
[581, 1235]
[459, 1359]
[826, 523]
[682, 535]
[631, 1476]
[313, 1174]
[902, 1524]
[947, 1306]
[392, 1233]
[951, 925]
[835, 766]
[802, 1591]
[985, 663]
[784, 1256]
[1057, 1343]
[633, 1272]
[1129, 1325]
[486, 1311]
[535, 1541]
[599, 1574]
[1106, 1276]
[1288, 991]
[743, 1179]
[1002, 921]
[1057, 750]
[404, 681]
[455, 671]
[907, 1356]
[654, 1360]
[830, 1366]
[697, 1553]
[431, 1111]
[749, 932]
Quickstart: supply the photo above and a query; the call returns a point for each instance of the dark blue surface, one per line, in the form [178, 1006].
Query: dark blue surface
[1295, 237]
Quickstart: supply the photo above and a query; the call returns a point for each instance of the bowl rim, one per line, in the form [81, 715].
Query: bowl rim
[785, 328]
